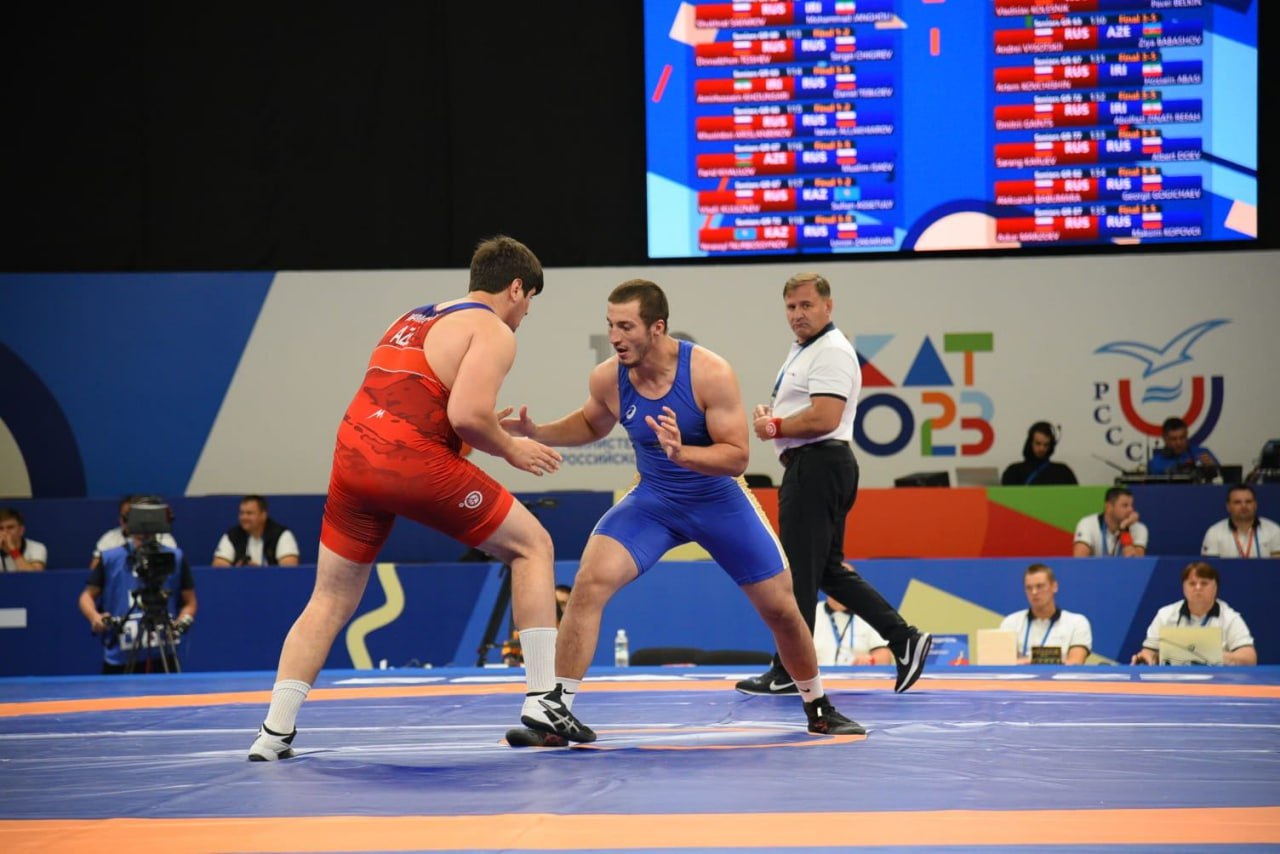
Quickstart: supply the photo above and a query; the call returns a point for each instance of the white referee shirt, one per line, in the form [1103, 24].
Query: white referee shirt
[1064, 630]
[32, 552]
[1221, 540]
[1235, 632]
[1093, 532]
[827, 364]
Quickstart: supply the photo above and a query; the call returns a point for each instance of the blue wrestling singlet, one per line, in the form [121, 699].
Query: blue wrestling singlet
[671, 505]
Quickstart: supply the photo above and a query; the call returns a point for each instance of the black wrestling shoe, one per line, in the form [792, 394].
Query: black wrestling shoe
[524, 737]
[825, 720]
[775, 680]
[270, 746]
[553, 716]
[910, 658]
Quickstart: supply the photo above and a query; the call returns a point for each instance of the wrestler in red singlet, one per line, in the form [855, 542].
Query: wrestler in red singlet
[398, 455]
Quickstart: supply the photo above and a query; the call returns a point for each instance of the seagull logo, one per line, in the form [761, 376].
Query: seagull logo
[1156, 359]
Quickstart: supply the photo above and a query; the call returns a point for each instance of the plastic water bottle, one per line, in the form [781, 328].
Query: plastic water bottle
[621, 654]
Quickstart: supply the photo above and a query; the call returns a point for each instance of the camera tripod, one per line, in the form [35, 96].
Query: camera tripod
[155, 630]
[503, 601]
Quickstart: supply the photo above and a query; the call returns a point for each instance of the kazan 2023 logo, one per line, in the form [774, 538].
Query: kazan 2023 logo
[1130, 410]
[939, 392]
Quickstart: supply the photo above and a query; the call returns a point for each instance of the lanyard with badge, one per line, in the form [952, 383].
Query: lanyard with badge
[1026, 636]
[1251, 543]
[839, 635]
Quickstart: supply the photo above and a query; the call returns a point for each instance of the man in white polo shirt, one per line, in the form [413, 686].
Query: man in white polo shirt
[1044, 624]
[809, 421]
[1243, 533]
[1115, 532]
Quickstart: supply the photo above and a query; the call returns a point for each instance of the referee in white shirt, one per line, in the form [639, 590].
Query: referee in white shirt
[1044, 624]
[810, 423]
[1243, 533]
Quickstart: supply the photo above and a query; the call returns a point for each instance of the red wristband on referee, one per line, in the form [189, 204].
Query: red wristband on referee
[774, 428]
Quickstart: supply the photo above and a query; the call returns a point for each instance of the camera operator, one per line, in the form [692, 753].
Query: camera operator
[128, 594]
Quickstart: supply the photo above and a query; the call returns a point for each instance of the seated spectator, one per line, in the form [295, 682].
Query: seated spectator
[1179, 456]
[1243, 533]
[1200, 606]
[117, 537]
[512, 653]
[1044, 624]
[258, 540]
[17, 553]
[1036, 469]
[840, 638]
[1114, 532]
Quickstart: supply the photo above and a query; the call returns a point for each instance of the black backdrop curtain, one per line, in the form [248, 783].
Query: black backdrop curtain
[159, 136]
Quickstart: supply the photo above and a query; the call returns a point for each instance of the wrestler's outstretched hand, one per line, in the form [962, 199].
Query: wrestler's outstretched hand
[668, 433]
[522, 426]
[533, 457]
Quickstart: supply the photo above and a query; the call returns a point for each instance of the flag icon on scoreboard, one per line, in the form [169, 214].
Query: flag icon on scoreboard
[1152, 145]
[1151, 31]
[846, 230]
[846, 119]
[742, 8]
[1154, 219]
[846, 156]
[742, 85]
[744, 234]
[1044, 70]
[845, 44]
[847, 194]
[1152, 69]
[743, 48]
[744, 194]
[1044, 183]
[846, 82]
[1152, 108]
[1043, 108]
[1152, 183]
[742, 161]
[845, 8]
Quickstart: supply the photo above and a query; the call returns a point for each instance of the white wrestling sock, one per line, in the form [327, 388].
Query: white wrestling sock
[286, 698]
[539, 647]
[571, 687]
[810, 689]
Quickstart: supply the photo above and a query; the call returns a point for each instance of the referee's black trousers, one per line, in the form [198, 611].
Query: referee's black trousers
[819, 487]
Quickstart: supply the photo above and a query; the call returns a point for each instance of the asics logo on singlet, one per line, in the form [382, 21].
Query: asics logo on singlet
[472, 501]
[631, 413]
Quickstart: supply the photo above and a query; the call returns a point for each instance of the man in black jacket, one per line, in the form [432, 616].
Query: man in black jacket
[258, 540]
[1036, 469]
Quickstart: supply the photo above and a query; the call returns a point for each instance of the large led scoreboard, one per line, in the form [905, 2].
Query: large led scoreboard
[831, 126]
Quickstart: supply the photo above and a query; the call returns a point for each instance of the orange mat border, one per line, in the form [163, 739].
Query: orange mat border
[548, 832]
[1037, 686]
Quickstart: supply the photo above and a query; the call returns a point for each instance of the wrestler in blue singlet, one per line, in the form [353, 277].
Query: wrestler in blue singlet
[671, 505]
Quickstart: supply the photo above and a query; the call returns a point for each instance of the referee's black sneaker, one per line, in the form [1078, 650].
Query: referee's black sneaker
[825, 720]
[775, 680]
[909, 656]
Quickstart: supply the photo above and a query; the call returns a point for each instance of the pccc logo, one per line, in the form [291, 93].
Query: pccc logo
[1157, 390]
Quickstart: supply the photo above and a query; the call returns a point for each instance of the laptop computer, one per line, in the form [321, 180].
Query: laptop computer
[977, 476]
[1190, 645]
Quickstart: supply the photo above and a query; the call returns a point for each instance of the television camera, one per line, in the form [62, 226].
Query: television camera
[148, 623]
